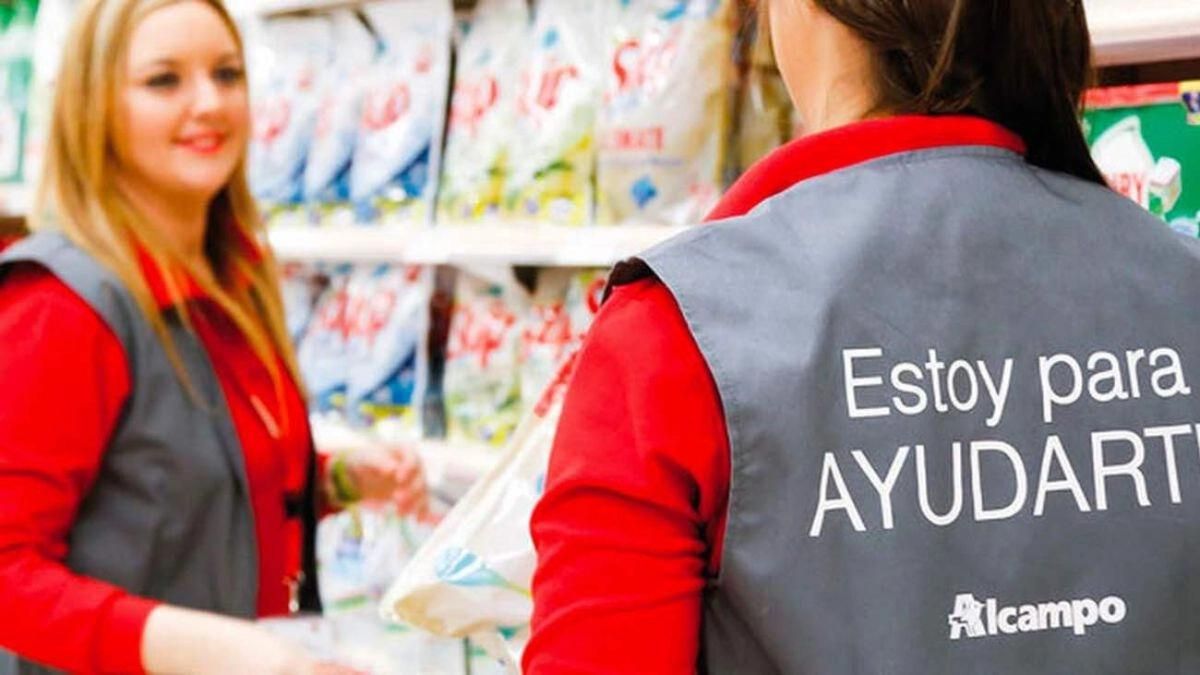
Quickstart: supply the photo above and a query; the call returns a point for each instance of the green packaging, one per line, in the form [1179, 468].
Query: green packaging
[1146, 141]
[16, 78]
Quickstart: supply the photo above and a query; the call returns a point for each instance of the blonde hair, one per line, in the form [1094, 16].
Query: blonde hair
[78, 197]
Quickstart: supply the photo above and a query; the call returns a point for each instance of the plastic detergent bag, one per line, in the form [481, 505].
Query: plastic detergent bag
[482, 383]
[480, 131]
[322, 351]
[339, 109]
[666, 112]
[387, 327]
[472, 577]
[398, 152]
[285, 108]
[300, 287]
[359, 552]
[561, 84]
[564, 304]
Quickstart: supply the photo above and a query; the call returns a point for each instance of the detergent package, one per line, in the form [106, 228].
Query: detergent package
[667, 108]
[564, 303]
[1146, 141]
[16, 81]
[553, 175]
[300, 287]
[387, 325]
[397, 156]
[321, 352]
[326, 183]
[480, 132]
[482, 382]
[284, 110]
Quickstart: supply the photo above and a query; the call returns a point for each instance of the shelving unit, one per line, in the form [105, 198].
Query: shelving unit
[525, 244]
[1126, 32]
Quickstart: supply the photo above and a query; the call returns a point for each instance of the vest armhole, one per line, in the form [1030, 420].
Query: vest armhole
[627, 272]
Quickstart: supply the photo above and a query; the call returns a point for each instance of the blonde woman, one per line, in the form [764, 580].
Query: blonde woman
[156, 465]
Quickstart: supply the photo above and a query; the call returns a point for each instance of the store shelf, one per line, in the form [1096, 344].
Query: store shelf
[14, 200]
[1126, 32]
[465, 244]
[269, 8]
[450, 468]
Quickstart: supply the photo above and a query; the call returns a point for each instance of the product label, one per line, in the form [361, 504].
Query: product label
[1146, 142]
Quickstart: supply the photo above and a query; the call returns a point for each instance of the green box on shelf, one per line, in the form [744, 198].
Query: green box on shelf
[1146, 141]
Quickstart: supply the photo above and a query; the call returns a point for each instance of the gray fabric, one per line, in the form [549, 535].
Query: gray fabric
[974, 253]
[169, 516]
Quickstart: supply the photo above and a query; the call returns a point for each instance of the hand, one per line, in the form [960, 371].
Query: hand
[177, 640]
[390, 475]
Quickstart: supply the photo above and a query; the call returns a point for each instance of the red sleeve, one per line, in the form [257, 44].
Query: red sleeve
[65, 380]
[630, 527]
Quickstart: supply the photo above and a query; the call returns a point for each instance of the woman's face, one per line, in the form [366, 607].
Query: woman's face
[182, 115]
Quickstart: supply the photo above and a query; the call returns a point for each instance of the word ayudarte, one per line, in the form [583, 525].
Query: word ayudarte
[1115, 454]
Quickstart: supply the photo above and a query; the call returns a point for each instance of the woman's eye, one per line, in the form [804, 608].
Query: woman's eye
[163, 81]
[229, 75]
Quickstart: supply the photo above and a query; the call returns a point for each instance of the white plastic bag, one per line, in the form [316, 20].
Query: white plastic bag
[472, 577]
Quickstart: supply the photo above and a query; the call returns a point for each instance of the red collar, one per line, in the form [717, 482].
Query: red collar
[189, 290]
[822, 153]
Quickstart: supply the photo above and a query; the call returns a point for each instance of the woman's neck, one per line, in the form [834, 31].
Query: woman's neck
[182, 221]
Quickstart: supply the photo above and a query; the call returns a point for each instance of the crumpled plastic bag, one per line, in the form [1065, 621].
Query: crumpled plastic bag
[472, 577]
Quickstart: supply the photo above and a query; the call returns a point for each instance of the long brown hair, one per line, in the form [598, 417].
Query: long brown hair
[77, 196]
[1021, 63]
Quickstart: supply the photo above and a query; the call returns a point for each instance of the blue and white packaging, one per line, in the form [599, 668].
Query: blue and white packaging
[300, 287]
[397, 158]
[284, 108]
[322, 350]
[326, 184]
[386, 347]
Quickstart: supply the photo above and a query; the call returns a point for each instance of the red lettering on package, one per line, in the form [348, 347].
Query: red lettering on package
[479, 331]
[644, 65]
[382, 109]
[550, 328]
[271, 118]
[652, 139]
[473, 100]
[1131, 184]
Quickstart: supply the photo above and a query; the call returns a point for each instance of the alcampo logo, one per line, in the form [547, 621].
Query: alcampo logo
[974, 619]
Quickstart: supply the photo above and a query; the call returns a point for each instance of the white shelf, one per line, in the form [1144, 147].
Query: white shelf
[451, 468]
[1124, 31]
[14, 199]
[465, 244]
[1143, 31]
[269, 8]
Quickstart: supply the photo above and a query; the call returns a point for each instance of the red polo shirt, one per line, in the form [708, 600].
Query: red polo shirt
[66, 379]
[631, 526]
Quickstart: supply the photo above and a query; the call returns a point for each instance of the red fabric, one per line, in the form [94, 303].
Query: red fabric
[62, 363]
[632, 524]
[811, 156]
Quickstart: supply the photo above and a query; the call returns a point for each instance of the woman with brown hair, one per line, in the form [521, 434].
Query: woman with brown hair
[874, 420]
[157, 473]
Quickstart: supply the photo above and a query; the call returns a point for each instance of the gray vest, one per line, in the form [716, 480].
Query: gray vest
[169, 516]
[1043, 521]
